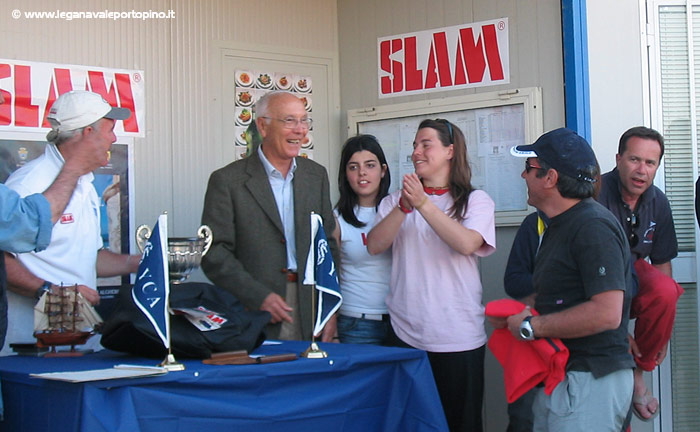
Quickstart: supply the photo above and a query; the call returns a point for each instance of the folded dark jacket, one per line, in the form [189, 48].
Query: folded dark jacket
[129, 330]
[525, 363]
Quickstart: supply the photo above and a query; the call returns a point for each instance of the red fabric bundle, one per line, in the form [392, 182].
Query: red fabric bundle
[654, 307]
[525, 363]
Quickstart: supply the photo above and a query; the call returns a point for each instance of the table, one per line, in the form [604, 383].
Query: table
[357, 388]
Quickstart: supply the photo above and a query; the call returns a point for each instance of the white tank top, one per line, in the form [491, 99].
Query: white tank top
[364, 279]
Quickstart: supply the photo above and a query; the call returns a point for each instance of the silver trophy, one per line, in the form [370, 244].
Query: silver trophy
[184, 254]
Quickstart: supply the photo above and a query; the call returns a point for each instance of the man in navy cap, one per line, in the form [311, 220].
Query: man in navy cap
[582, 278]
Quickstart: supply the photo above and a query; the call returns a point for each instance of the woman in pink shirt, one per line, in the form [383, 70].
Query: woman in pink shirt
[437, 226]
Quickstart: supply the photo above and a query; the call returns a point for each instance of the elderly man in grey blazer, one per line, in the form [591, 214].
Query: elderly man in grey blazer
[258, 209]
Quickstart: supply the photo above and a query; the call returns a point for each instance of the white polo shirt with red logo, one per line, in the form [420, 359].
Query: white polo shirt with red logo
[71, 257]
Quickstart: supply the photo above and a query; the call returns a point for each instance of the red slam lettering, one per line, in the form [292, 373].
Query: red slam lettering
[393, 83]
[216, 319]
[26, 114]
[471, 55]
[97, 84]
[123, 91]
[126, 99]
[414, 76]
[438, 63]
[60, 83]
[5, 107]
[471, 59]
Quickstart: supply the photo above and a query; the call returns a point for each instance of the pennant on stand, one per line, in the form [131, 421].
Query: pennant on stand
[320, 271]
[152, 287]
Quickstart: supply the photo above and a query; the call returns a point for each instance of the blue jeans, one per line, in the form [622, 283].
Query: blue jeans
[361, 331]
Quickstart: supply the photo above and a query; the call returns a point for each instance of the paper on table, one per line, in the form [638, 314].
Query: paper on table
[118, 371]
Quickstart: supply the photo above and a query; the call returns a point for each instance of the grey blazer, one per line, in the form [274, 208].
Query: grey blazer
[248, 256]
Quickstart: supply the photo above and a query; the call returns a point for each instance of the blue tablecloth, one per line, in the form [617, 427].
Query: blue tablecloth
[357, 388]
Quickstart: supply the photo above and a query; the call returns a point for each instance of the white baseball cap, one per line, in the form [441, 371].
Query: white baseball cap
[80, 108]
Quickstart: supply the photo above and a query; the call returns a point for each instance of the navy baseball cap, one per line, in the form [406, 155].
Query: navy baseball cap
[563, 150]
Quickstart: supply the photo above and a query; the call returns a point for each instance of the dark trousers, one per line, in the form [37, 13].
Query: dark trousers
[520, 413]
[459, 377]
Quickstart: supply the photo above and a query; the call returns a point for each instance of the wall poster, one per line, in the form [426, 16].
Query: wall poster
[250, 87]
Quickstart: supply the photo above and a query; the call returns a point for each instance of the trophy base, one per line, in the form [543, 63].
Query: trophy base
[314, 352]
[171, 364]
[177, 281]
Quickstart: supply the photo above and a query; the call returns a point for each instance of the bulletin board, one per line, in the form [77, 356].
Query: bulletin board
[492, 123]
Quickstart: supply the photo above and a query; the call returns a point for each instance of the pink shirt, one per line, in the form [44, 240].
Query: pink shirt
[435, 294]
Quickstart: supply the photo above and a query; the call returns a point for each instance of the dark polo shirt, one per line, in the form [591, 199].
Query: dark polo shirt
[583, 253]
[655, 231]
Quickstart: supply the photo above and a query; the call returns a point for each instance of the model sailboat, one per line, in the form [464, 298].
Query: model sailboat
[62, 316]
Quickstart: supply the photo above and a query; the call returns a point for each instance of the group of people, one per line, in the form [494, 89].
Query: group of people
[643, 212]
[408, 260]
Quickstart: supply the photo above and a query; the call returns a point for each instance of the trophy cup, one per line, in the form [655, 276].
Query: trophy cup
[184, 257]
[184, 254]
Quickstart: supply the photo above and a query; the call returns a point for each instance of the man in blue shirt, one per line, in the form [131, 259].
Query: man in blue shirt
[258, 209]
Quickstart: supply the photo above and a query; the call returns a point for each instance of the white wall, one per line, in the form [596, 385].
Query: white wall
[617, 87]
[183, 142]
[615, 74]
[534, 38]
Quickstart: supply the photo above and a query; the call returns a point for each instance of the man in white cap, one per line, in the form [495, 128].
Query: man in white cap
[25, 223]
[80, 120]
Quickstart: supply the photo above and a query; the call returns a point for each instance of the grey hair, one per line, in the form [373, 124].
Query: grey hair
[59, 137]
[261, 106]
[570, 187]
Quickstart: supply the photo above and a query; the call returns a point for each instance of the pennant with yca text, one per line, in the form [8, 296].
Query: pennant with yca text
[152, 287]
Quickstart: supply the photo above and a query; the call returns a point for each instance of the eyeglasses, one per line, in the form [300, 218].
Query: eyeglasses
[633, 220]
[529, 167]
[449, 129]
[292, 123]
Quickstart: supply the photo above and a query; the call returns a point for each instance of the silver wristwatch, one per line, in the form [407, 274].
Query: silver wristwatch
[526, 331]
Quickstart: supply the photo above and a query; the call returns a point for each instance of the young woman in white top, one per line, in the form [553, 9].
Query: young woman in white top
[363, 180]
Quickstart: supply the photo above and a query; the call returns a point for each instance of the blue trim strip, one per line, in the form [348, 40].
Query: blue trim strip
[552, 344]
[575, 45]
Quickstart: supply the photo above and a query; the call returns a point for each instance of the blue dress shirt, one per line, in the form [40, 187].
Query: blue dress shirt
[284, 198]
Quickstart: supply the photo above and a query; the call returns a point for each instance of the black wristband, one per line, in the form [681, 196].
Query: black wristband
[45, 287]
